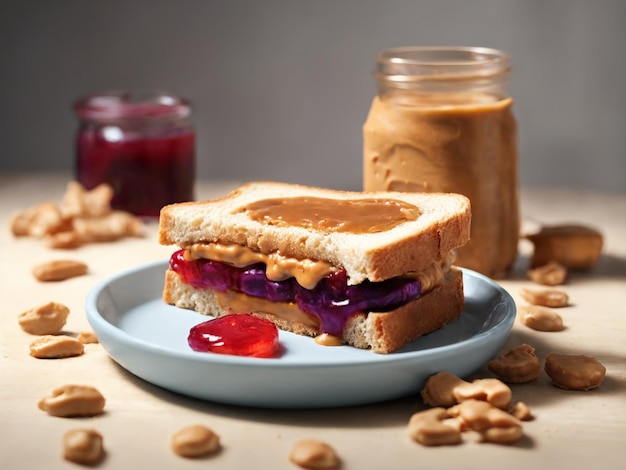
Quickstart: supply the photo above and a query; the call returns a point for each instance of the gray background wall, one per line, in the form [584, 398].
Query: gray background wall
[281, 88]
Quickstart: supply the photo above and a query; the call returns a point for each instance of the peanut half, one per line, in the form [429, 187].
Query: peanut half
[72, 401]
[553, 298]
[519, 365]
[433, 427]
[439, 389]
[59, 270]
[38, 220]
[540, 318]
[574, 372]
[83, 446]
[46, 319]
[195, 441]
[79, 202]
[56, 347]
[314, 454]
[494, 425]
[446, 389]
[88, 337]
[550, 274]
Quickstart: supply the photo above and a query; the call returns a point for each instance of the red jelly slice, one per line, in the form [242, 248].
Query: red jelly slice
[238, 334]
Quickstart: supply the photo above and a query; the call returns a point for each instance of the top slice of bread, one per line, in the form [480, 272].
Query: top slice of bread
[443, 225]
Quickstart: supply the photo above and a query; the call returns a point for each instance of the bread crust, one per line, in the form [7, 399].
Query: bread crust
[381, 332]
[443, 225]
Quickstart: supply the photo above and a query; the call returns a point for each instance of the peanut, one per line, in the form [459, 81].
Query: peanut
[550, 274]
[493, 391]
[72, 401]
[432, 427]
[574, 372]
[518, 365]
[553, 298]
[314, 454]
[540, 318]
[59, 270]
[87, 337]
[83, 446]
[79, 202]
[113, 226]
[439, 389]
[84, 216]
[37, 221]
[66, 240]
[47, 319]
[521, 411]
[494, 424]
[55, 347]
[195, 441]
[574, 246]
[445, 389]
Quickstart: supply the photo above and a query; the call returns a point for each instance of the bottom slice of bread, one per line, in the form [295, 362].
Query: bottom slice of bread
[381, 332]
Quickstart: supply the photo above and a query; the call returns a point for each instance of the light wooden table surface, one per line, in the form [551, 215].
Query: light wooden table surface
[570, 429]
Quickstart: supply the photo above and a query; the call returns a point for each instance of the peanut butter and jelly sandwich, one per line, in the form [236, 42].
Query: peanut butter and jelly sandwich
[373, 270]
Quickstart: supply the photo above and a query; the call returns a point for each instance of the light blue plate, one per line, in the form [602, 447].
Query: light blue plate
[149, 339]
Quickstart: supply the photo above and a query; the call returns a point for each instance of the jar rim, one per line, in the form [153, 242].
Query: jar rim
[415, 62]
[131, 104]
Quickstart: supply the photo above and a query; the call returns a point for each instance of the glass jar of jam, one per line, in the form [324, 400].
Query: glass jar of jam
[141, 143]
[442, 122]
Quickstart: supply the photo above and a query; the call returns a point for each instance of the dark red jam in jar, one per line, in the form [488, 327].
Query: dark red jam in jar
[141, 143]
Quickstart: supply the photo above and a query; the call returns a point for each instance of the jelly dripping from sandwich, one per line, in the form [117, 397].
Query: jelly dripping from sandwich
[236, 334]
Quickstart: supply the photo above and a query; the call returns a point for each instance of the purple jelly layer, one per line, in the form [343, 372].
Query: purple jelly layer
[332, 299]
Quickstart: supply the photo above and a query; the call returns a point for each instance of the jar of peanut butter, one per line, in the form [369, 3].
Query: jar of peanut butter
[442, 122]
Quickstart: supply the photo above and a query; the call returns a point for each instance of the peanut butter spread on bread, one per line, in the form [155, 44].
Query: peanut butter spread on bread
[307, 272]
[368, 215]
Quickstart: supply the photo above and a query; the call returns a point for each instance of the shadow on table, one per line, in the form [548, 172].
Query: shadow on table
[377, 415]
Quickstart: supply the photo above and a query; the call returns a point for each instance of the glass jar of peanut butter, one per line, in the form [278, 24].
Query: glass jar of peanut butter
[442, 122]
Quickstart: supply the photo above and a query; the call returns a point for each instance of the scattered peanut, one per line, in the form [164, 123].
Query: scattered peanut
[38, 220]
[79, 202]
[518, 365]
[56, 347]
[87, 337]
[494, 424]
[72, 401]
[66, 240]
[550, 274]
[195, 441]
[59, 270]
[314, 454]
[540, 318]
[553, 298]
[439, 389]
[574, 246]
[47, 319]
[83, 446]
[521, 411]
[493, 391]
[110, 227]
[432, 427]
[574, 372]
[445, 389]
[84, 216]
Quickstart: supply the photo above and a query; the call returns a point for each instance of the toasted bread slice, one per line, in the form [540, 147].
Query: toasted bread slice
[443, 224]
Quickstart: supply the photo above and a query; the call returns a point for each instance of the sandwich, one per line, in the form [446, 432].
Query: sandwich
[372, 270]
